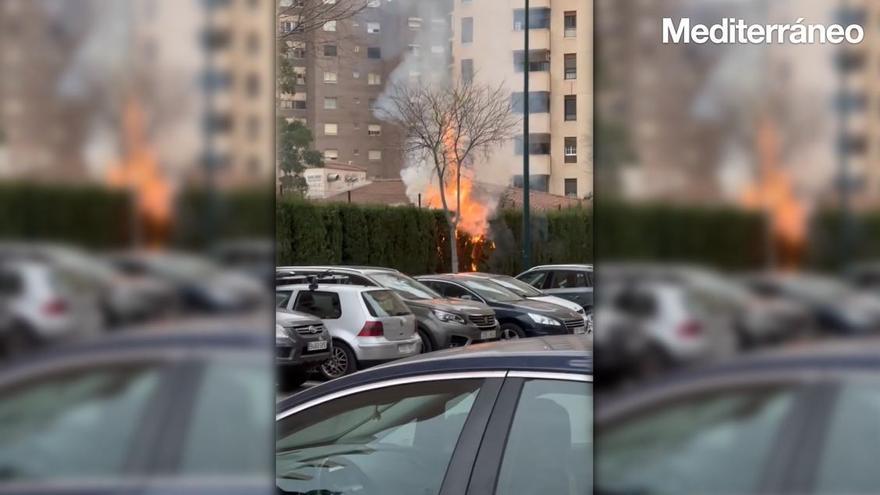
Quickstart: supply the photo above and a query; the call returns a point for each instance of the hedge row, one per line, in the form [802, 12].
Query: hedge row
[222, 215]
[86, 215]
[834, 245]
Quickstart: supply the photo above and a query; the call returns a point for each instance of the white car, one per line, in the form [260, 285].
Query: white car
[46, 304]
[368, 325]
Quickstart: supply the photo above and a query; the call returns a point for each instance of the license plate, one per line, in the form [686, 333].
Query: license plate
[318, 345]
[488, 334]
[580, 330]
[406, 348]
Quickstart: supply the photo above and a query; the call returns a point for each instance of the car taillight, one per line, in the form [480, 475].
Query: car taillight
[372, 329]
[55, 307]
[690, 328]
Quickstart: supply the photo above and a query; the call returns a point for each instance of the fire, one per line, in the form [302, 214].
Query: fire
[473, 215]
[140, 173]
[774, 192]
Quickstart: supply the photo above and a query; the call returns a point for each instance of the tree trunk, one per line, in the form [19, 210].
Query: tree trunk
[453, 244]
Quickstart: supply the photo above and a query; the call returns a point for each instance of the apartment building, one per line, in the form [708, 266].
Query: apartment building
[343, 67]
[488, 45]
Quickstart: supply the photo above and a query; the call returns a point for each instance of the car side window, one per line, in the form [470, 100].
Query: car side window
[848, 461]
[570, 279]
[536, 278]
[396, 439]
[715, 442]
[50, 426]
[324, 305]
[550, 445]
[282, 298]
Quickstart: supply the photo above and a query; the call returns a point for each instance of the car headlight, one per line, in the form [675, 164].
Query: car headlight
[279, 332]
[448, 317]
[544, 320]
[581, 311]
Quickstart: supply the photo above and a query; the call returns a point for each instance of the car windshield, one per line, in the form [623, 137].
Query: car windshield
[405, 287]
[516, 286]
[490, 291]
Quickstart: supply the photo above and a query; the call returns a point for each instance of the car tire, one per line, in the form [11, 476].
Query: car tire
[342, 362]
[19, 340]
[427, 342]
[511, 331]
[291, 379]
[654, 362]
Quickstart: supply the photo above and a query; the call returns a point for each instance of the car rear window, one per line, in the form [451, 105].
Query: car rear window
[383, 303]
[324, 305]
[10, 283]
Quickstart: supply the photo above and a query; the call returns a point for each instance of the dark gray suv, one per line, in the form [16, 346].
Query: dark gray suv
[572, 282]
[441, 322]
[302, 343]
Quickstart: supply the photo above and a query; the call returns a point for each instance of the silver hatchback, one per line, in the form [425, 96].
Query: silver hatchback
[369, 325]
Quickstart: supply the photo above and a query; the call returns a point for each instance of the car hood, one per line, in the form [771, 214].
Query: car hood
[542, 308]
[290, 318]
[565, 303]
[461, 306]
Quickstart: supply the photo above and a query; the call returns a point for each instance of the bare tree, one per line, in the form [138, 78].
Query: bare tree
[449, 126]
[307, 16]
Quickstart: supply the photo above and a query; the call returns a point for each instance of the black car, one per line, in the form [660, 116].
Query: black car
[519, 317]
[302, 343]
[799, 421]
[440, 322]
[150, 412]
[572, 282]
[504, 417]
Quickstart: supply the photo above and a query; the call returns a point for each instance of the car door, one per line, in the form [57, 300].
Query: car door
[539, 439]
[418, 434]
[574, 285]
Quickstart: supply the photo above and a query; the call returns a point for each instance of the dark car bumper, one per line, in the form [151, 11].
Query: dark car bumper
[296, 353]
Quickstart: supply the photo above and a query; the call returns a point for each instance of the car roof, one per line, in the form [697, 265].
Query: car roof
[331, 268]
[333, 287]
[552, 354]
[441, 276]
[573, 266]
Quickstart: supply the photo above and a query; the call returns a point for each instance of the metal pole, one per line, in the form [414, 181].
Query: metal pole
[843, 179]
[527, 223]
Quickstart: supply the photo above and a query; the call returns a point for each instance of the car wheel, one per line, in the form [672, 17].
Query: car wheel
[427, 343]
[18, 341]
[511, 331]
[289, 380]
[341, 362]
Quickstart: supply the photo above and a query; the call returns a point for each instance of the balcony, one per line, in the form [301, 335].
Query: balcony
[539, 39]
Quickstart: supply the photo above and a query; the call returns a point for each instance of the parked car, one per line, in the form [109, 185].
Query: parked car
[530, 292]
[140, 412]
[302, 343]
[441, 322]
[519, 317]
[834, 306]
[663, 326]
[200, 285]
[503, 417]
[572, 282]
[45, 305]
[121, 298]
[368, 325]
[802, 420]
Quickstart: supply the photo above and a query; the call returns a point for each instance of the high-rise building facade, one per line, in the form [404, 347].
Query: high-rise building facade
[488, 46]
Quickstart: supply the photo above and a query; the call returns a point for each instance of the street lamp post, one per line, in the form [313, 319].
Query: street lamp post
[527, 224]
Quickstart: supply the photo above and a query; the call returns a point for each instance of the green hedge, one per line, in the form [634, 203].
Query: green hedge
[828, 239]
[89, 216]
[201, 216]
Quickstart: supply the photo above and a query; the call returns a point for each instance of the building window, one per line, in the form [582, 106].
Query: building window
[330, 50]
[539, 18]
[373, 27]
[330, 103]
[467, 70]
[539, 102]
[330, 26]
[374, 52]
[539, 144]
[374, 130]
[330, 2]
[374, 155]
[539, 60]
[330, 77]
[571, 68]
[356, 152]
[571, 150]
[536, 182]
[372, 103]
[331, 129]
[571, 188]
[467, 30]
[297, 49]
[356, 100]
[331, 154]
[374, 3]
[299, 104]
[415, 49]
[437, 49]
[570, 24]
[299, 74]
[414, 23]
[356, 74]
[374, 79]
[570, 107]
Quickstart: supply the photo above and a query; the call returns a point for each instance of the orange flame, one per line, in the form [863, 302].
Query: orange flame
[140, 173]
